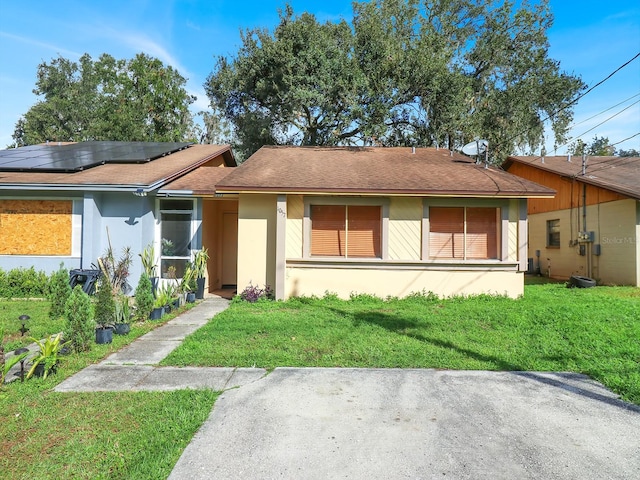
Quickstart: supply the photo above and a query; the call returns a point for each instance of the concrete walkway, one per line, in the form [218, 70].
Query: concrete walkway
[134, 368]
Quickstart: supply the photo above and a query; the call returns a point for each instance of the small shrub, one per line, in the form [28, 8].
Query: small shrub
[59, 292]
[143, 298]
[105, 306]
[4, 288]
[80, 325]
[253, 293]
[24, 283]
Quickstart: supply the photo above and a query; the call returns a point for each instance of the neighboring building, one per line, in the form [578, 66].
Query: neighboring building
[58, 202]
[592, 227]
[383, 221]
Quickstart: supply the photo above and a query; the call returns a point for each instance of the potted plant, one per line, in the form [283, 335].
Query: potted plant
[46, 360]
[167, 294]
[160, 305]
[143, 298]
[200, 259]
[105, 312]
[123, 315]
[116, 271]
[176, 287]
[79, 314]
[188, 284]
[148, 258]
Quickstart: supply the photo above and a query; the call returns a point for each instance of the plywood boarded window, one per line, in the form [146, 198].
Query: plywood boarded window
[350, 231]
[464, 233]
[36, 227]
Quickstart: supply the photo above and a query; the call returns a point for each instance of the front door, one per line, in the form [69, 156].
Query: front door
[229, 249]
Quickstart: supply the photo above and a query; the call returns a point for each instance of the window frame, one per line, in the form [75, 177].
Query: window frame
[549, 242]
[383, 203]
[192, 230]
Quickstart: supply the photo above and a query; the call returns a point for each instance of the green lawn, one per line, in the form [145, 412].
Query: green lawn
[141, 435]
[44, 434]
[593, 331]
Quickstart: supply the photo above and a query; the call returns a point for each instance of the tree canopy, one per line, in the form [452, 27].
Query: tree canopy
[402, 72]
[128, 100]
[599, 146]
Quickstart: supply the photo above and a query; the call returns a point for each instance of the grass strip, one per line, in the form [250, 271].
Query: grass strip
[552, 328]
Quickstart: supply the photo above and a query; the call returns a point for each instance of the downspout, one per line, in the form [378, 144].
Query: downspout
[587, 245]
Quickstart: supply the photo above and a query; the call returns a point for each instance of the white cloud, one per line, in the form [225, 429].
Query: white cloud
[36, 43]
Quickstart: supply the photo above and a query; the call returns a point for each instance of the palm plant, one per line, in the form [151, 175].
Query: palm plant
[148, 258]
[48, 354]
[116, 271]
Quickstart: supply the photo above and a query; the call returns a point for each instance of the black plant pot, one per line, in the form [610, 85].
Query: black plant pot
[104, 335]
[156, 313]
[191, 297]
[39, 370]
[122, 328]
[200, 289]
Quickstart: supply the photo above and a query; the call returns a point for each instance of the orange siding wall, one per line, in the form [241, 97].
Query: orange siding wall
[569, 191]
[35, 227]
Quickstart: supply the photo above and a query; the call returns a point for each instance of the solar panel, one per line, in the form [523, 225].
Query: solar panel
[80, 156]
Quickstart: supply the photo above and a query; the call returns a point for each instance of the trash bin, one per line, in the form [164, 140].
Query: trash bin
[85, 277]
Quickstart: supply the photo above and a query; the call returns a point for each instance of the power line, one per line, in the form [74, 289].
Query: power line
[603, 111]
[596, 85]
[581, 96]
[628, 138]
[605, 121]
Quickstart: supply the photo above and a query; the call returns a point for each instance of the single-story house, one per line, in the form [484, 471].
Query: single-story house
[58, 202]
[382, 221]
[303, 220]
[592, 227]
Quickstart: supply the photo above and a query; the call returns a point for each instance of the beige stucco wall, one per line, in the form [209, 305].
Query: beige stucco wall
[256, 240]
[617, 230]
[262, 217]
[405, 228]
[311, 280]
[295, 215]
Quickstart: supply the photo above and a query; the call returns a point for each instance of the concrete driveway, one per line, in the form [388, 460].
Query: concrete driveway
[419, 424]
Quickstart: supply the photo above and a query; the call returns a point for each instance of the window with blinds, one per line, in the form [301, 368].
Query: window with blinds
[350, 231]
[464, 233]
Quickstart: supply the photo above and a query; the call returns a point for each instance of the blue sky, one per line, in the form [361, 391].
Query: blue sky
[589, 38]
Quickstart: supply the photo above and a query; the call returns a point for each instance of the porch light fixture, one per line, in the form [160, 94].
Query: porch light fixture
[140, 192]
[20, 351]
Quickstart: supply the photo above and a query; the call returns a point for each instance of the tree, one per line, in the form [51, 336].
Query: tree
[300, 85]
[411, 72]
[598, 147]
[632, 152]
[129, 100]
[215, 129]
[59, 292]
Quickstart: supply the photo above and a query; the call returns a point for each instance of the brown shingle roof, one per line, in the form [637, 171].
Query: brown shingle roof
[154, 174]
[618, 174]
[201, 181]
[373, 170]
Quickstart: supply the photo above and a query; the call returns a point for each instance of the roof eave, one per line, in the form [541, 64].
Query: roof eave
[392, 193]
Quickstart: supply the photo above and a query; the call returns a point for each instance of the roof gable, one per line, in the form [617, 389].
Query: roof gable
[618, 174]
[374, 171]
